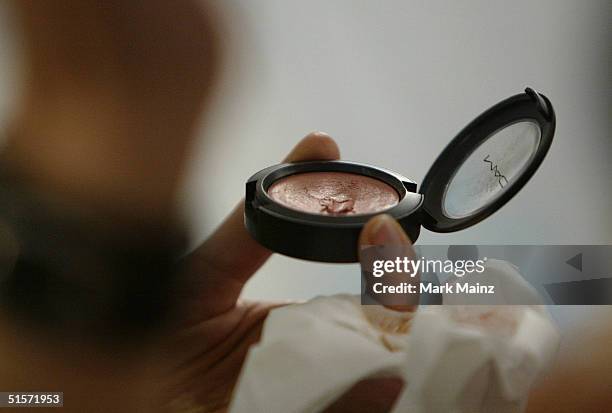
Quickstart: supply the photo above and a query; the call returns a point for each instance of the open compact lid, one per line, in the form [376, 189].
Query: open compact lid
[488, 162]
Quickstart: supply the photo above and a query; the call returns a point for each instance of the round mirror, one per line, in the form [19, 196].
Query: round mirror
[491, 169]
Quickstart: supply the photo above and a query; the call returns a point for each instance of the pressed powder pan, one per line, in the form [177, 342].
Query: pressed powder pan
[316, 210]
[333, 193]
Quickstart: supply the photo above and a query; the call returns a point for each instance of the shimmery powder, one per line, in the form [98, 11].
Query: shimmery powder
[333, 193]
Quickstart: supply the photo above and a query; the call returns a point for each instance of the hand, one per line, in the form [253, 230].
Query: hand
[219, 328]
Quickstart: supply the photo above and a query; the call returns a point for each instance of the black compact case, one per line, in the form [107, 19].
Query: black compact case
[480, 170]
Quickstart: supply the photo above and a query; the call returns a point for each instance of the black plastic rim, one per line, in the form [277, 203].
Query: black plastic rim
[318, 237]
[528, 106]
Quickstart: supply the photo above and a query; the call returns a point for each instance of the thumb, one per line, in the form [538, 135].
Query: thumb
[383, 230]
[391, 243]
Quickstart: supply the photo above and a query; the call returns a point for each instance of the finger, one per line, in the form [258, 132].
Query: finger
[384, 231]
[316, 146]
[226, 260]
[209, 347]
[369, 396]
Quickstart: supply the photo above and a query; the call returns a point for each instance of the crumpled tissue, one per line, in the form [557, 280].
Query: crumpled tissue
[453, 358]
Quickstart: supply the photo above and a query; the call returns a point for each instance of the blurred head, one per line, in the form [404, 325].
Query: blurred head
[112, 94]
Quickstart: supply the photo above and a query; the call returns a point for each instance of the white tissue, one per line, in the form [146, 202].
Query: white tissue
[453, 359]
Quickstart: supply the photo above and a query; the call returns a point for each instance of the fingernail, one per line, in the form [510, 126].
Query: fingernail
[385, 231]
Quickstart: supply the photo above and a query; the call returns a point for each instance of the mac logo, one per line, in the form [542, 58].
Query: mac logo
[500, 177]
